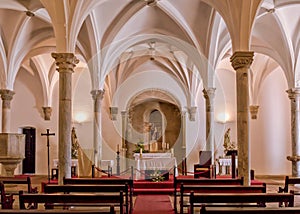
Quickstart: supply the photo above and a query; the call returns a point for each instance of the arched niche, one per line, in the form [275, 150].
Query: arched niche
[154, 120]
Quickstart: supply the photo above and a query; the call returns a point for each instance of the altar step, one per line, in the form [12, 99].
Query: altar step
[152, 187]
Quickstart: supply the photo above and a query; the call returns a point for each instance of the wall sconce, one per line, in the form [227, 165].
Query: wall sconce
[223, 117]
[80, 117]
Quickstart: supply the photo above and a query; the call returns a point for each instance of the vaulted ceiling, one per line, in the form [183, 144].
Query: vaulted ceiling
[119, 38]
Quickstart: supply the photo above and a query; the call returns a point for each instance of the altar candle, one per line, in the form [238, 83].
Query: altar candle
[172, 151]
[141, 151]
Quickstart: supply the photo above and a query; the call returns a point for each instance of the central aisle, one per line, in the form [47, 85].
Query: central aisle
[152, 204]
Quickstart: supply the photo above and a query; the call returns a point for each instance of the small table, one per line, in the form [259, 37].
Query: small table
[225, 165]
[54, 170]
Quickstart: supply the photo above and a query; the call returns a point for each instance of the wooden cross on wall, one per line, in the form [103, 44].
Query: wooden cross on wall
[48, 150]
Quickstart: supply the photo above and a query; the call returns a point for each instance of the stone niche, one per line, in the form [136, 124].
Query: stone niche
[12, 151]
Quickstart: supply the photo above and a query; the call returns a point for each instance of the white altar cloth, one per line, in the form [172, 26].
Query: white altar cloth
[225, 165]
[74, 163]
[155, 161]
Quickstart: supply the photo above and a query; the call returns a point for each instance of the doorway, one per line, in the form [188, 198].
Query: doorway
[28, 164]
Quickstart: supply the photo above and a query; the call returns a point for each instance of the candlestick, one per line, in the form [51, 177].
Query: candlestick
[118, 148]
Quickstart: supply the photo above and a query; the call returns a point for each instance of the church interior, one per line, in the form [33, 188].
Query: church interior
[129, 87]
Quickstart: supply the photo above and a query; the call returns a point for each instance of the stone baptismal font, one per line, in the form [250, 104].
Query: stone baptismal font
[12, 151]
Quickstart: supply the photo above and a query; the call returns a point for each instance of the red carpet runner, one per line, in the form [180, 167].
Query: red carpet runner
[153, 204]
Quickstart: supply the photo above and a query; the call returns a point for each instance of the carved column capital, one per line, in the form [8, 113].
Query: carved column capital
[65, 62]
[113, 112]
[241, 59]
[253, 111]
[97, 94]
[47, 112]
[192, 113]
[294, 158]
[209, 93]
[293, 93]
[6, 96]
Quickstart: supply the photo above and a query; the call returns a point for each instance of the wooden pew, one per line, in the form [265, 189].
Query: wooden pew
[6, 199]
[239, 199]
[26, 181]
[90, 188]
[201, 181]
[97, 181]
[290, 181]
[186, 189]
[66, 200]
[249, 210]
[15, 211]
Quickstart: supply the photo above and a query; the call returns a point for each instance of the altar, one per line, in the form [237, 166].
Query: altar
[154, 161]
[224, 164]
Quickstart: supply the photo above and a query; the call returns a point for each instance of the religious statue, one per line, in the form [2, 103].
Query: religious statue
[228, 145]
[75, 144]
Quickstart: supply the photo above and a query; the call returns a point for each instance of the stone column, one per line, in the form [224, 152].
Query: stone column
[6, 96]
[65, 63]
[124, 138]
[241, 62]
[183, 129]
[294, 95]
[209, 95]
[97, 97]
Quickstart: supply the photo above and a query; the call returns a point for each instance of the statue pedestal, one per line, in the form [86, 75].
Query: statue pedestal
[12, 151]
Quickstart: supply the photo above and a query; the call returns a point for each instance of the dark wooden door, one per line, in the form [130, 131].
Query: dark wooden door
[29, 161]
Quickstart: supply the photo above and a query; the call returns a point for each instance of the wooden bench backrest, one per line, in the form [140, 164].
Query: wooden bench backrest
[57, 211]
[202, 181]
[19, 180]
[249, 210]
[92, 188]
[239, 198]
[98, 181]
[69, 188]
[223, 188]
[71, 199]
[289, 181]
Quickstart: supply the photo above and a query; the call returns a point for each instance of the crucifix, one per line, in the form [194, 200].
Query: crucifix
[48, 134]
